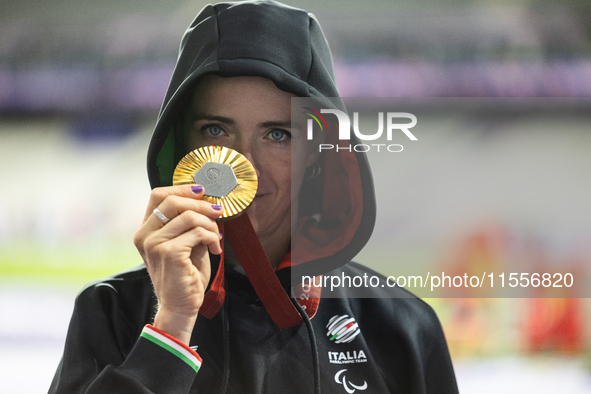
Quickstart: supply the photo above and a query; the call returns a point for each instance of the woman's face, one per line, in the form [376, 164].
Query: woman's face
[252, 116]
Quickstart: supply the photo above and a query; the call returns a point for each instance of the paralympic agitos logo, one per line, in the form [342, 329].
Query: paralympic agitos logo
[392, 120]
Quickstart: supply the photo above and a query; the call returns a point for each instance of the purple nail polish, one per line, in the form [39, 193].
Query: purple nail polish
[221, 235]
[197, 189]
[217, 207]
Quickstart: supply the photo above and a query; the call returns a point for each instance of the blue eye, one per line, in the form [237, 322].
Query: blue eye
[214, 130]
[279, 135]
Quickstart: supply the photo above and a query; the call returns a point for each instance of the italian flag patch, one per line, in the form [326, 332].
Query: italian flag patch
[173, 345]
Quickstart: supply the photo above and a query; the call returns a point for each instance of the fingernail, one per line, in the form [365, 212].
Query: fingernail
[221, 235]
[197, 189]
[217, 207]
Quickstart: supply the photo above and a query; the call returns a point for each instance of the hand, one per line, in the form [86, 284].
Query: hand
[176, 254]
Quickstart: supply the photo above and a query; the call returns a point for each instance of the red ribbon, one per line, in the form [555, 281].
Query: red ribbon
[256, 265]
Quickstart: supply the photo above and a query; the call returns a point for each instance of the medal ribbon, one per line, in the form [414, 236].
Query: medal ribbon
[256, 265]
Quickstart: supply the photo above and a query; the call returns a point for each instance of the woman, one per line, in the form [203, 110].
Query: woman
[137, 332]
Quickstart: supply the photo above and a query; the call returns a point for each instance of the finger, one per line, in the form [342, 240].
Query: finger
[193, 243]
[156, 232]
[175, 253]
[186, 221]
[201, 236]
[174, 206]
[159, 194]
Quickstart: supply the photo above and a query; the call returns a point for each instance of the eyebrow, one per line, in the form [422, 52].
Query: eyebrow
[230, 121]
[285, 124]
[221, 119]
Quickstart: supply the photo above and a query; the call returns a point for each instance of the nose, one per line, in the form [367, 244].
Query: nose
[247, 151]
[250, 158]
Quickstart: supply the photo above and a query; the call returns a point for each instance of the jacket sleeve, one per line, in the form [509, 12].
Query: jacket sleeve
[105, 353]
[430, 369]
[438, 369]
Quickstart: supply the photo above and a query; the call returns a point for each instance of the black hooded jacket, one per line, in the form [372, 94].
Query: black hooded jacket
[390, 342]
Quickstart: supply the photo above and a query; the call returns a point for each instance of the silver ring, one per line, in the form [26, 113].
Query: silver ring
[161, 216]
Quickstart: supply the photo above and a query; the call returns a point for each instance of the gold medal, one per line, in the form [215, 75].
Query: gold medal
[227, 177]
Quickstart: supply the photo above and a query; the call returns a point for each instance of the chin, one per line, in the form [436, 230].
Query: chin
[263, 218]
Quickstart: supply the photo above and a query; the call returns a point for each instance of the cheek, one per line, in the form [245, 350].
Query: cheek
[297, 178]
[193, 141]
[280, 173]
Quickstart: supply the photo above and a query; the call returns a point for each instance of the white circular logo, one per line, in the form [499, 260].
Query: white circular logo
[342, 329]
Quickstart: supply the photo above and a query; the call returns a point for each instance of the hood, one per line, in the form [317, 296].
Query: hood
[286, 45]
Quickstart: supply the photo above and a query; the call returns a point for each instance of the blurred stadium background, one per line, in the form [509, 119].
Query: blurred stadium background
[81, 83]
